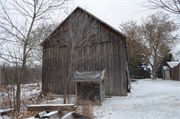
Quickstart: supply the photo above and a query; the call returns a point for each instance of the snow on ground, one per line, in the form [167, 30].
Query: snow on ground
[28, 91]
[149, 99]
[29, 94]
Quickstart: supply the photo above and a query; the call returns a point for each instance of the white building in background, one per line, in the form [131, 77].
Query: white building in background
[166, 73]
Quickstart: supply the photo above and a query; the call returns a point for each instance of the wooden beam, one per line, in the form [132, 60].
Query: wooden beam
[5, 111]
[67, 116]
[77, 115]
[52, 107]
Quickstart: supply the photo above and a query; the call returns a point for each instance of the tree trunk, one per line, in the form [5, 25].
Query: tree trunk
[25, 52]
[18, 92]
[153, 72]
[66, 81]
[69, 74]
[65, 92]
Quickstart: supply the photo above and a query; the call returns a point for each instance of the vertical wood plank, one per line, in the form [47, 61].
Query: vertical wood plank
[121, 68]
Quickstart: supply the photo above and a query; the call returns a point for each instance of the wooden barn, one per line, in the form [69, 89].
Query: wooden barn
[90, 86]
[83, 42]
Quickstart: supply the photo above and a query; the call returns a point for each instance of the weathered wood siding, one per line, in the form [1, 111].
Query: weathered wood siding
[175, 73]
[108, 51]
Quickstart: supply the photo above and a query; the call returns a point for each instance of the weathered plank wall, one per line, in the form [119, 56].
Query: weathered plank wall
[106, 52]
[175, 73]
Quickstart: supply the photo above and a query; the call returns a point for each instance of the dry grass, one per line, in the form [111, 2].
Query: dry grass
[41, 98]
[86, 108]
[7, 99]
[28, 114]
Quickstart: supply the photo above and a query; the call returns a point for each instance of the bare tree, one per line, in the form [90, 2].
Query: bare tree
[18, 19]
[80, 35]
[172, 6]
[153, 37]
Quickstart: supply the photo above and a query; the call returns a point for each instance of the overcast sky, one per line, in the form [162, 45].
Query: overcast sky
[114, 12]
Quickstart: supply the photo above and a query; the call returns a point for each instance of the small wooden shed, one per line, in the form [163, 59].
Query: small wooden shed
[90, 86]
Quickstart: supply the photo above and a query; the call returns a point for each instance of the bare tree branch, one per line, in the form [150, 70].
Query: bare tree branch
[18, 19]
[172, 6]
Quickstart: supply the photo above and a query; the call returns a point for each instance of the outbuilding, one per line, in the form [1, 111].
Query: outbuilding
[106, 49]
[90, 86]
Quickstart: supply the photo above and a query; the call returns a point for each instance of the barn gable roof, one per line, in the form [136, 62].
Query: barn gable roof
[99, 75]
[79, 8]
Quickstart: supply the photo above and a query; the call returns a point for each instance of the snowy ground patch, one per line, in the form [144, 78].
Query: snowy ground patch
[29, 95]
[149, 99]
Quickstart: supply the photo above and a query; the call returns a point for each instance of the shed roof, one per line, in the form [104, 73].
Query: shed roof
[79, 8]
[173, 64]
[80, 76]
